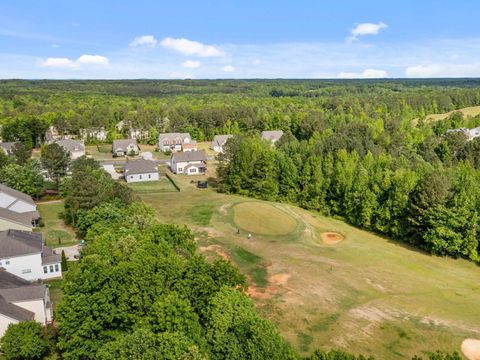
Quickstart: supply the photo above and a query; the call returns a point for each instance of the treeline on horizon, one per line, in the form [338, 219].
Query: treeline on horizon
[208, 107]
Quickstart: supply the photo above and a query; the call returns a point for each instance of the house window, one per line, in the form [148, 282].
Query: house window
[0, 263]
[7, 262]
[56, 268]
[51, 268]
[149, 176]
[193, 170]
[26, 271]
[140, 177]
[45, 270]
[131, 176]
[180, 169]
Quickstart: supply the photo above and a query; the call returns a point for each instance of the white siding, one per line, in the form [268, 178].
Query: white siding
[29, 267]
[4, 322]
[143, 177]
[22, 206]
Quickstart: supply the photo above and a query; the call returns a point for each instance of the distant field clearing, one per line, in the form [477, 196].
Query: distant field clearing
[264, 219]
[467, 112]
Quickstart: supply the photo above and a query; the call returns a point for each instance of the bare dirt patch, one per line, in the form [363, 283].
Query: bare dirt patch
[217, 250]
[471, 349]
[331, 238]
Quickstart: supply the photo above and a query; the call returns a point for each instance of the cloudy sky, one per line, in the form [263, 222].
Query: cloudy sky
[239, 39]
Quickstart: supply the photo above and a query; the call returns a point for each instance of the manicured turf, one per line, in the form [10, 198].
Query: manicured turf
[145, 187]
[55, 231]
[262, 218]
[365, 294]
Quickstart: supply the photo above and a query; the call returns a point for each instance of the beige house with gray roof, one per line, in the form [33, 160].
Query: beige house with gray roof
[76, 148]
[125, 147]
[140, 170]
[189, 163]
[21, 300]
[17, 210]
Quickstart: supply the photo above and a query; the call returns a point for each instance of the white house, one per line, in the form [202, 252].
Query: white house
[17, 210]
[173, 141]
[219, 141]
[23, 253]
[190, 163]
[99, 134]
[469, 133]
[125, 147]
[191, 146]
[76, 148]
[52, 135]
[272, 135]
[21, 300]
[140, 170]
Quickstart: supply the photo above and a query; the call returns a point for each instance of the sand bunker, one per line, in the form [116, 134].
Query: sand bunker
[331, 238]
[471, 349]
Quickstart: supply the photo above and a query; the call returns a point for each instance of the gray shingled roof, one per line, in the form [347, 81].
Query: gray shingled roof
[24, 293]
[190, 156]
[15, 312]
[25, 218]
[71, 145]
[272, 135]
[8, 280]
[18, 243]
[122, 144]
[173, 136]
[49, 257]
[140, 166]
[220, 140]
[12, 192]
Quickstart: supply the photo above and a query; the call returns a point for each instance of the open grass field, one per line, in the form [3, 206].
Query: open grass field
[146, 187]
[327, 284]
[55, 231]
[467, 112]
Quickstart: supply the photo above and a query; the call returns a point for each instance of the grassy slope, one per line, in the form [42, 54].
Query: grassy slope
[55, 231]
[365, 294]
[467, 112]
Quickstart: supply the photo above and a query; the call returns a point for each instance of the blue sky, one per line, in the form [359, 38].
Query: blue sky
[239, 39]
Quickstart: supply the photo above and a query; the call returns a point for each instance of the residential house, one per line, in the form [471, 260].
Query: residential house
[21, 300]
[219, 141]
[7, 147]
[125, 147]
[173, 141]
[140, 170]
[23, 253]
[99, 134]
[137, 134]
[272, 135]
[469, 133]
[191, 146]
[52, 134]
[76, 148]
[190, 162]
[17, 210]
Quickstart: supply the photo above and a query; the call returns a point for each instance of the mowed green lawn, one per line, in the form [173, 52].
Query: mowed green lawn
[55, 231]
[365, 294]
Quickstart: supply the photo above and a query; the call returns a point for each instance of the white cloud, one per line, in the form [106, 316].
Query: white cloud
[443, 70]
[92, 60]
[58, 63]
[191, 64]
[366, 29]
[366, 74]
[228, 68]
[66, 63]
[55, 46]
[189, 47]
[144, 40]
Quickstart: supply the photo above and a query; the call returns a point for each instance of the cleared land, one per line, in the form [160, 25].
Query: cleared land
[365, 294]
[55, 231]
[467, 112]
